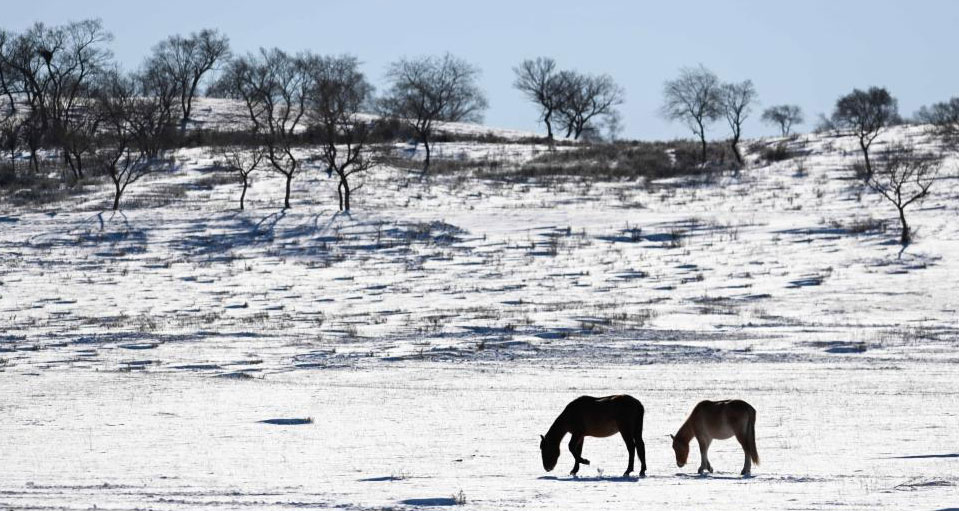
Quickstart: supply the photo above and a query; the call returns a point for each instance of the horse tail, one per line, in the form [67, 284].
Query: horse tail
[751, 437]
[638, 428]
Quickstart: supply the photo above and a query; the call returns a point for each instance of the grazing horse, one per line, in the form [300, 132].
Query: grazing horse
[598, 417]
[718, 420]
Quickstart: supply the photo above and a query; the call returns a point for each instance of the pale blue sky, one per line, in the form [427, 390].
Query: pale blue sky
[803, 52]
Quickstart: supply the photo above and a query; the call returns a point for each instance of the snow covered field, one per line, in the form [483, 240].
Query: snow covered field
[435, 332]
[843, 434]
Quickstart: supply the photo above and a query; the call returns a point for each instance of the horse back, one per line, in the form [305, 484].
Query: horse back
[723, 418]
[603, 416]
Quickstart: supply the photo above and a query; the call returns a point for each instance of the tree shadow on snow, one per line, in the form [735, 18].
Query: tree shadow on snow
[924, 456]
[436, 501]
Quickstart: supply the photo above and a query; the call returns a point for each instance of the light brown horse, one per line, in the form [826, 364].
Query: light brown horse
[718, 420]
[597, 417]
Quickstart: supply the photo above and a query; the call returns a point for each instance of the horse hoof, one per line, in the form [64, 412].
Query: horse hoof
[584, 461]
[626, 474]
[642, 474]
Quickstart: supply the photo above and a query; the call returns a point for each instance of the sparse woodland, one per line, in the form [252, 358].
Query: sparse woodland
[66, 105]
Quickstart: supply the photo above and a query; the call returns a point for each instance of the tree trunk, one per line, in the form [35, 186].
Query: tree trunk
[578, 130]
[735, 146]
[339, 193]
[34, 160]
[243, 193]
[865, 153]
[426, 164]
[702, 139]
[549, 127]
[116, 196]
[9, 93]
[346, 195]
[286, 199]
[75, 163]
[905, 237]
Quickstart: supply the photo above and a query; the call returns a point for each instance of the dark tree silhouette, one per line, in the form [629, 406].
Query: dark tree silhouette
[7, 82]
[427, 90]
[53, 67]
[273, 86]
[736, 101]
[242, 161]
[337, 94]
[10, 133]
[693, 98]
[943, 119]
[587, 97]
[904, 177]
[125, 151]
[784, 116]
[544, 85]
[865, 113]
[187, 60]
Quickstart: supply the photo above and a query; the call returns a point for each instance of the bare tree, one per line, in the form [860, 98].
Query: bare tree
[154, 125]
[188, 59]
[865, 113]
[125, 151]
[158, 80]
[24, 74]
[53, 67]
[426, 90]
[273, 86]
[784, 116]
[32, 134]
[243, 161]
[903, 178]
[7, 83]
[78, 142]
[693, 98]
[943, 119]
[337, 94]
[543, 84]
[586, 98]
[736, 101]
[10, 129]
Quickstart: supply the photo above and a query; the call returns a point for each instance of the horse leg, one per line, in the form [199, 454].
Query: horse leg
[703, 457]
[640, 447]
[576, 448]
[631, 447]
[747, 467]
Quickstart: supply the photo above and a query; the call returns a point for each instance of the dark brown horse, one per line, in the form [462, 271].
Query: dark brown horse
[718, 420]
[598, 417]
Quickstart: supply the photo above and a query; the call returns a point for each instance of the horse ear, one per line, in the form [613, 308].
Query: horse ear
[542, 438]
[672, 437]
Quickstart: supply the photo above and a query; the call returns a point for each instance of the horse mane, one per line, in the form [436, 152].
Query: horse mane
[558, 430]
[686, 431]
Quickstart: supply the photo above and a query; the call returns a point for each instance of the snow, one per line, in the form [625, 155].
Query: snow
[410, 354]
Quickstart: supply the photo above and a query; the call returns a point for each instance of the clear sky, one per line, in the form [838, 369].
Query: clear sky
[806, 52]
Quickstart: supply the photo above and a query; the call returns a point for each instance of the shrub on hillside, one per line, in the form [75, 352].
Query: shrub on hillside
[628, 160]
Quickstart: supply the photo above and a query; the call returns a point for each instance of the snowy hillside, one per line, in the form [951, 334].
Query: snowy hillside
[229, 114]
[434, 333]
